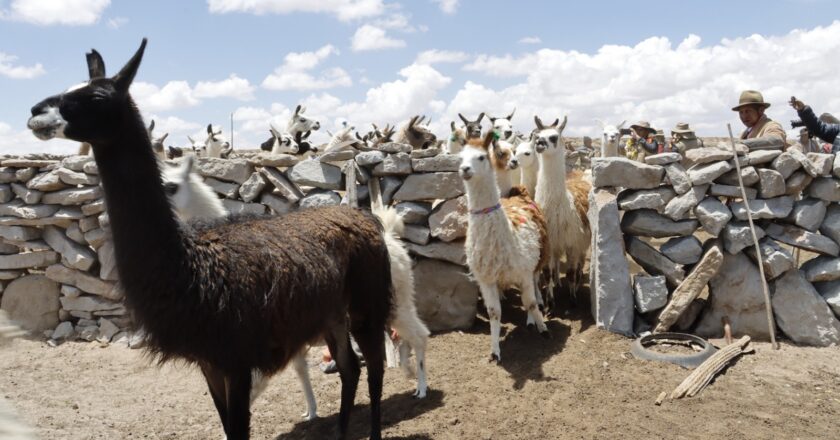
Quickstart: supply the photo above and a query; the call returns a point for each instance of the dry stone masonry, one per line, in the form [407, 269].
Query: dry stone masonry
[683, 221]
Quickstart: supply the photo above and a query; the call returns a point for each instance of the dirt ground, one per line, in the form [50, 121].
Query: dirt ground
[583, 383]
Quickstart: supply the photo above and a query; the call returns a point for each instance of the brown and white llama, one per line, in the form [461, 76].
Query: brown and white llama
[565, 202]
[456, 140]
[415, 134]
[504, 239]
[236, 294]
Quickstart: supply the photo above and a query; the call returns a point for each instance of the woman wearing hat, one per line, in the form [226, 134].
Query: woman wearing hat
[751, 109]
[684, 139]
[823, 130]
[642, 141]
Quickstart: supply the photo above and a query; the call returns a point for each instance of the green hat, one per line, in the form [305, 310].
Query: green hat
[751, 97]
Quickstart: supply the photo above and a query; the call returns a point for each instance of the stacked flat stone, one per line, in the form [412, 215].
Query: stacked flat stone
[671, 204]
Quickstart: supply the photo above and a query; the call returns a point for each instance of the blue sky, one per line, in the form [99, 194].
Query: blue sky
[360, 60]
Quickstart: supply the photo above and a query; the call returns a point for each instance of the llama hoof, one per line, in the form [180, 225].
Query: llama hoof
[545, 334]
[307, 417]
[531, 326]
[419, 394]
[495, 358]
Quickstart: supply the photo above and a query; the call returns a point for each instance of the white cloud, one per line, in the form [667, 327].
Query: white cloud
[9, 69]
[117, 22]
[440, 56]
[369, 37]
[530, 40]
[232, 87]
[56, 12]
[294, 73]
[447, 6]
[688, 81]
[344, 10]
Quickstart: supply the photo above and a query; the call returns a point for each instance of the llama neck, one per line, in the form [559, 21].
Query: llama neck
[529, 177]
[551, 181]
[146, 234]
[504, 181]
[482, 193]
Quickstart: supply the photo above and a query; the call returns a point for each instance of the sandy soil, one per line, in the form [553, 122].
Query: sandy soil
[583, 383]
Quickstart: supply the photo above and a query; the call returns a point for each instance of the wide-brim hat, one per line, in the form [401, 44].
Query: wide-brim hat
[751, 97]
[684, 129]
[645, 125]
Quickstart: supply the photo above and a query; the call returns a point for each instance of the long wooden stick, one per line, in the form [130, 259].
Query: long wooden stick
[703, 375]
[768, 305]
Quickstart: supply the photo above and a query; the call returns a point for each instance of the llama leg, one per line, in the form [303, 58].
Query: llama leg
[490, 294]
[414, 335]
[338, 341]
[259, 382]
[540, 301]
[216, 383]
[390, 359]
[299, 363]
[529, 301]
[239, 405]
[370, 341]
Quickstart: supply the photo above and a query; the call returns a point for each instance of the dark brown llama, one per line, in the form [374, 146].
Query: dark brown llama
[239, 293]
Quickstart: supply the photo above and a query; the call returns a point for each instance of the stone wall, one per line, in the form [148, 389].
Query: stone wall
[683, 221]
[57, 272]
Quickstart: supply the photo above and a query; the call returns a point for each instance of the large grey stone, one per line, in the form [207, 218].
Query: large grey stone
[830, 291]
[237, 207]
[83, 281]
[690, 288]
[317, 174]
[74, 178]
[16, 208]
[736, 293]
[63, 331]
[430, 186]
[73, 196]
[279, 205]
[822, 268]
[88, 304]
[94, 208]
[679, 206]
[48, 181]
[825, 188]
[417, 234]
[713, 215]
[273, 160]
[73, 254]
[22, 162]
[19, 233]
[678, 177]
[29, 196]
[663, 158]
[69, 213]
[7, 175]
[394, 147]
[771, 183]
[17, 221]
[32, 302]
[831, 224]
[398, 164]
[230, 170]
[797, 183]
[807, 165]
[651, 293]
[706, 173]
[448, 220]
[76, 163]
[251, 188]
[320, 198]
[683, 250]
[446, 297]
[648, 223]
[808, 214]
[611, 294]
[6, 192]
[779, 207]
[226, 189]
[28, 260]
[645, 198]
[91, 168]
[370, 158]
[88, 224]
[759, 157]
[822, 163]
[764, 143]
[452, 252]
[801, 238]
[414, 212]
[731, 191]
[338, 155]
[108, 261]
[389, 185]
[699, 156]
[654, 262]
[422, 154]
[8, 275]
[786, 164]
[802, 313]
[748, 175]
[737, 236]
[96, 237]
[283, 185]
[776, 259]
[24, 174]
[8, 248]
[625, 173]
[443, 162]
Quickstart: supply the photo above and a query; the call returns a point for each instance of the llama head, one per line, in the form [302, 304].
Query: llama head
[300, 123]
[549, 138]
[419, 135]
[501, 151]
[476, 160]
[94, 111]
[176, 182]
[503, 126]
[524, 155]
[473, 127]
[611, 133]
[216, 143]
[280, 142]
[157, 142]
[457, 134]
[198, 146]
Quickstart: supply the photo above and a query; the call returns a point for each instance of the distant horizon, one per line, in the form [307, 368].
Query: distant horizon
[365, 61]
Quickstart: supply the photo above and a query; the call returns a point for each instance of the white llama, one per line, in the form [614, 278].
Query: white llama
[525, 161]
[504, 239]
[610, 138]
[565, 204]
[457, 139]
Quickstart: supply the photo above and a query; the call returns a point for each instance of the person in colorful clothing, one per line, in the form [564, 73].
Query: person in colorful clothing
[823, 130]
[642, 142]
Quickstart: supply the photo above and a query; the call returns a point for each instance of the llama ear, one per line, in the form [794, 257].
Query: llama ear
[210, 129]
[563, 125]
[123, 79]
[151, 126]
[96, 66]
[489, 139]
[539, 123]
[302, 109]
[452, 125]
[297, 109]
[554, 124]
[191, 139]
[620, 126]
[510, 116]
[600, 122]
[480, 116]
[466, 121]
[492, 119]
[163, 138]
[413, 121]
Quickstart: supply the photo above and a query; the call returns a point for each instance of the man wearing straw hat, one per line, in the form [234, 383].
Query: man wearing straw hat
[751, 109]
[684, 139]
[827, 131]
[642, 141]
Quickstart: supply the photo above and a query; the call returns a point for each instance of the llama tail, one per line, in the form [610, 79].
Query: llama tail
[392, 222]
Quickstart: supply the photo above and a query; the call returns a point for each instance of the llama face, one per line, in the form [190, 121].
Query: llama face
[418, 135]
[524, 155]
[549, 138]
[503, 126]
[612, 133]
[502, 154]
[475, 162]
[88, 112]
[473, 127]
[300, 123]
[280, 143]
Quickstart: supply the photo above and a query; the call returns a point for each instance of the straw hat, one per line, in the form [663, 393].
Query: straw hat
[750, 97]
[644, 125]
[684, 129]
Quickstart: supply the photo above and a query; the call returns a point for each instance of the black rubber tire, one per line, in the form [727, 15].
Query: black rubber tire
[689, 361]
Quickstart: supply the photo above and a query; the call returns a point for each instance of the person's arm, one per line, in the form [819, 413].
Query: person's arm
[826, 132]
[650, 147]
